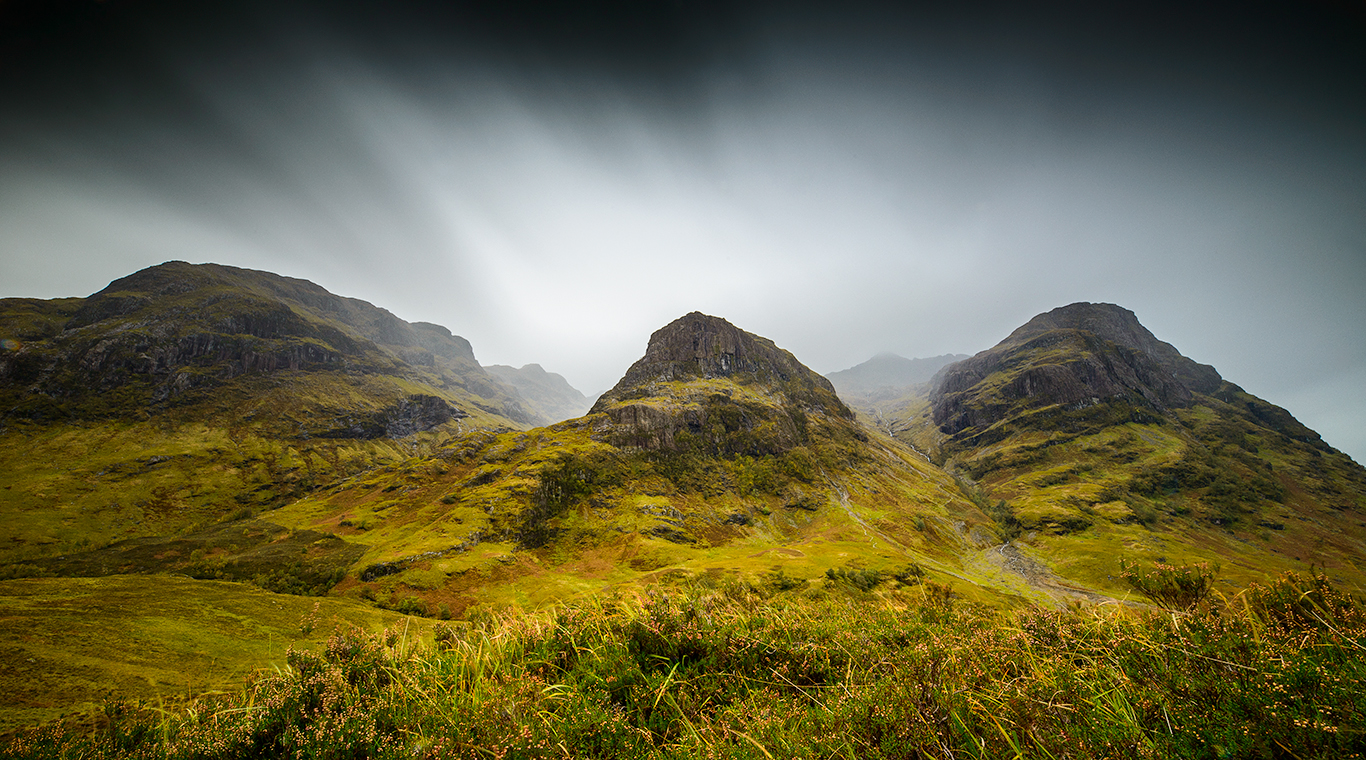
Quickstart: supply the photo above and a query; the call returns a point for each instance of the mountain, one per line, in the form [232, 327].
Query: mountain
[191, 425]
[1088, 438]
[546, 395]
[1078, 357]
[718, 457]
[174, 332]
[184, 394]
[888, 372]
[727, 391]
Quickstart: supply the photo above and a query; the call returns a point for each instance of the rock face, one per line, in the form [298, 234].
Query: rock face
[705, 385]
[415, 414]
[698, 346]
[546, 395]
[1076, 356]
[176, 327]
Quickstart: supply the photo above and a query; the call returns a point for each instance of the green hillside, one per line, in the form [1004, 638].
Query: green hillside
[237, 442]
[736, 464]
[185, 395]
[1087, 439]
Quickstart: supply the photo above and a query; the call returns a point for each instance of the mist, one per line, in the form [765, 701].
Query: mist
[556, 181]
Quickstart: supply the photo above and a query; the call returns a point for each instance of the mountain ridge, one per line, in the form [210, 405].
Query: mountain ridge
[176, 327]
[551, 397]
[887, 372]
[378, 478]
[192, 392]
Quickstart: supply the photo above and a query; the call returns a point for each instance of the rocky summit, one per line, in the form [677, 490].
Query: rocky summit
[701, 347]
[1067, 360]
[705, 381]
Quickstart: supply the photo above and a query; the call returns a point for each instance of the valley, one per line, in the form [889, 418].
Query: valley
[199, 456]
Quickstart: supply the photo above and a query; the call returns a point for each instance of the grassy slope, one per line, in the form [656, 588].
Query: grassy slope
[80, 484]
[743, 672]
[452, 529]
[1208, 483]
[69, 644]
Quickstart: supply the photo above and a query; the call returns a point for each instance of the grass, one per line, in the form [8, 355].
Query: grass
[1210, 484]
[817, 671]
[69, 644]
[527, 518]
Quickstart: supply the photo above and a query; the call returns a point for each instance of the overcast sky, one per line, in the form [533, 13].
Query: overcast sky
[554, 181]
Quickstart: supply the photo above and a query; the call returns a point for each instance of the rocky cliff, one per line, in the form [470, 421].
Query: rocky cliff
[167, 330]
[1069, 359]
[706, 386]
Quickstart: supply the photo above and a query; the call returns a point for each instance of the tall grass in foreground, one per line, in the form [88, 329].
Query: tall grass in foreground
[906, 673]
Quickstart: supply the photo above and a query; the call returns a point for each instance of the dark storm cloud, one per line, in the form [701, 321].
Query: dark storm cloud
[556, 180]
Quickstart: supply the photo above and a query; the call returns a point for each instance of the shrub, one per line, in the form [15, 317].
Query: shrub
[779, 581]
[859, 578]
[909, 575]
[1298, 602]
[1171, 587]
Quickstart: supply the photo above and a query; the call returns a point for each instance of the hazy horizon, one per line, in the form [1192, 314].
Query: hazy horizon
[556, 181]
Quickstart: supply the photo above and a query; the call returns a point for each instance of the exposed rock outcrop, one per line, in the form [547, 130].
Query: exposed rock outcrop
[766, 404]
[415, 414]
[1075, 356]
[698, 346]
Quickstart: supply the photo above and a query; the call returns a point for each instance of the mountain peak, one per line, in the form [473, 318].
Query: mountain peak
[1074, 356]
[1120, 326]
[699, 346]
[706, 385]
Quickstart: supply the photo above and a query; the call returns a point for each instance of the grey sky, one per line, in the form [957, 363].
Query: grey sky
[556, 184]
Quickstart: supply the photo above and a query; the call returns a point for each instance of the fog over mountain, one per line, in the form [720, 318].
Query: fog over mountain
[553, 181]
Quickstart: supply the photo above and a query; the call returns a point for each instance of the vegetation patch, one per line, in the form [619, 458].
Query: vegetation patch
[729, 672]
[68, 645]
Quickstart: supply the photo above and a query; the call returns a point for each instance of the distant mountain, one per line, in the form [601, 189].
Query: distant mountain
[888, 371]
[546, 395]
